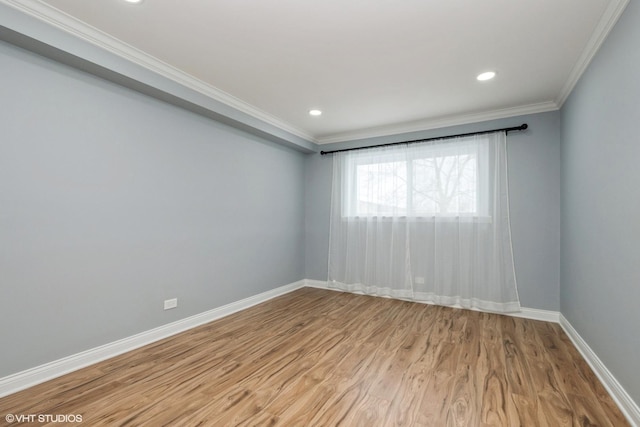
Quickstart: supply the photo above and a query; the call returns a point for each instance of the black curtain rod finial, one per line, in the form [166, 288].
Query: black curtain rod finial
[523, 126]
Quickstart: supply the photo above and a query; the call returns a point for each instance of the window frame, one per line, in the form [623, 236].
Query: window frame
[353, 160]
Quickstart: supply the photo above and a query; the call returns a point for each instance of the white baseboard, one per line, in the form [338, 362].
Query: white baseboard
[48, 371]
[629, 408]
[527, 313]
[51, 370]
[537, 314]
[320, 284]
[626, 404]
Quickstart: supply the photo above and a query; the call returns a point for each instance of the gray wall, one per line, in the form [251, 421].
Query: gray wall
[111, 202]
[600, 278]
[534, 183]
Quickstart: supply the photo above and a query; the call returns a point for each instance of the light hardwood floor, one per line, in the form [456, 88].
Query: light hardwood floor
[322, 358]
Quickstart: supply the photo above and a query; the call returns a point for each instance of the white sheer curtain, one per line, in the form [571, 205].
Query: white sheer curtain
[427, 222]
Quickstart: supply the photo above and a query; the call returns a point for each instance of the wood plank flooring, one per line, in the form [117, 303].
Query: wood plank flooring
[323, 358]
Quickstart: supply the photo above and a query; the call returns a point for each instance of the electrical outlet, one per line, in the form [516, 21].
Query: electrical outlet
[419, 280]
[170, 303]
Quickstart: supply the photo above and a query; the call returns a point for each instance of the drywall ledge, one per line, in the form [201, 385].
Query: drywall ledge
[44, 39]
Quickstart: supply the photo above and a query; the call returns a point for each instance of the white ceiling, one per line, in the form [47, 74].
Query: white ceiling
[374, 67]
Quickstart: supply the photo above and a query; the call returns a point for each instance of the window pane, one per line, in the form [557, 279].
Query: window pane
[445, 185]
[381, 189]
[448, 179]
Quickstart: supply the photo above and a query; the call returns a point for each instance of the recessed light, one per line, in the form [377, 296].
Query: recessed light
[133, 1]
[315, 112]
[486, 76]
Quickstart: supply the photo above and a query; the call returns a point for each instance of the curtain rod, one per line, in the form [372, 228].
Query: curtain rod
[482, 132]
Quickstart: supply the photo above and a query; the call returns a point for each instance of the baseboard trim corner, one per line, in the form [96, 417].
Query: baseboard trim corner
[48, 371]
[320, 284]
[629, 408]
[537, 314]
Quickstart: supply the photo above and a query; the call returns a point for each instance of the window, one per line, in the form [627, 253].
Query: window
[443, 179]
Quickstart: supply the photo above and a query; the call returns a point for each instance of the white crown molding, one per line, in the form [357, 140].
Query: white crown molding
[428, 124]
[96, 37]
[85, 32]
[629, 408]
[48, 371]
[605, 25]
